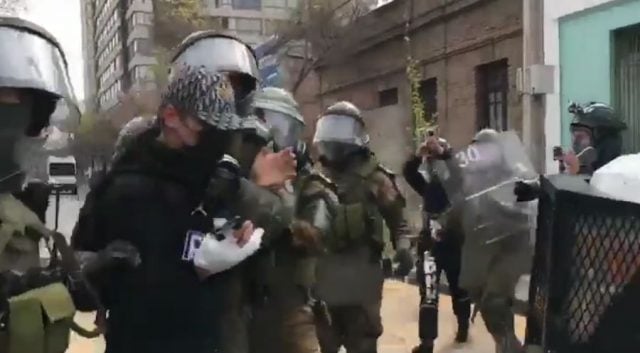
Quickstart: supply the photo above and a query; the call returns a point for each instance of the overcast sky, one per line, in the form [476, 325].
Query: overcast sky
[62, 19]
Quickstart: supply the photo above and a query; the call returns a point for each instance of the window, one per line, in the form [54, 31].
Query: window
[492, 81]
[141, 18]
[429, 95]
[388, 97]
[62, 169]
[248, 25]
[141, 46]
[142, 73]
[274, 3]
[246, 4]
[220, 22]
[627, 84]
[273, 26]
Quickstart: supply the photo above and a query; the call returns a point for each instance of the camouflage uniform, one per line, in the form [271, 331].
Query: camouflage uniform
[286, 320]
[496, 249]
[36, 304]
[350, 276]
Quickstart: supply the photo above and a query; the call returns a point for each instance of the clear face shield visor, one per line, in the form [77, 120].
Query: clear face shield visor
[36, 67]
[340, 128]
[285, 129]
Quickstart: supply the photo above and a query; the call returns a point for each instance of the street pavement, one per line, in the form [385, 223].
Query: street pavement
[400, 319]
[399, 308]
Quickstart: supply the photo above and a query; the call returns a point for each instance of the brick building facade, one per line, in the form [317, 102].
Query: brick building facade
[468, 52]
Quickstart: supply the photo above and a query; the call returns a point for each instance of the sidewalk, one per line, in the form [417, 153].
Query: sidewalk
[522, 291]
[400, 320]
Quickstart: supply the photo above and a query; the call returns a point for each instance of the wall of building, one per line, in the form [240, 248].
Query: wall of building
[250, 20]
[454, 39]
[578, 42]
[586, 56]
[88, 53]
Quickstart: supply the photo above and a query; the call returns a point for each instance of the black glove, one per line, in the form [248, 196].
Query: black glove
[526, 191]
[405, 262]
[96, 269]
[118, 253]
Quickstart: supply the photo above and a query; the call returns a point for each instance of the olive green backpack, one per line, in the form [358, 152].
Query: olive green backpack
[41, 319]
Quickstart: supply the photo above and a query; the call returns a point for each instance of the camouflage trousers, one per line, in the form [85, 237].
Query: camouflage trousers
[357, 328]
[283, 329]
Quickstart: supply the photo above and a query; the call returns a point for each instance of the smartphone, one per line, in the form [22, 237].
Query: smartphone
[557, 153]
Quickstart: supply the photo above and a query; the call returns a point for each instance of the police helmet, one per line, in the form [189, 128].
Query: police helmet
[279, 110]
[598, 117]
[35, 68]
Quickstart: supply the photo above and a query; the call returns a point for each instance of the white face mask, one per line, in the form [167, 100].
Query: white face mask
[215, 256]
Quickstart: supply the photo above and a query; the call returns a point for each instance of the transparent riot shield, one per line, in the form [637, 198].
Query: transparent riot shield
[482, 181]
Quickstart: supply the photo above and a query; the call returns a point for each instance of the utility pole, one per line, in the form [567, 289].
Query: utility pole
[533, 106]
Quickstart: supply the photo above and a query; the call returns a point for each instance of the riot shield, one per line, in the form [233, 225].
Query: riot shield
[487, 173]
[33, 59]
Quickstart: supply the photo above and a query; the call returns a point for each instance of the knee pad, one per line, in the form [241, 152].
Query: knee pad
[497, 314]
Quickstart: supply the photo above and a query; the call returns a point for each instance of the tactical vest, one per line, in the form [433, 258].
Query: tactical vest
[39, 320]
[357, 219]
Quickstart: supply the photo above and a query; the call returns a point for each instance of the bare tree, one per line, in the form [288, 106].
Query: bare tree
[175, 19]
[317, 32]
[94, 138]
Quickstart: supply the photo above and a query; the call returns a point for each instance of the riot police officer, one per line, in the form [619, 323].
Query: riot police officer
[496, 250]
[35, 92]
[441, 239]
[595, 141]
[285, 321]
[350, 274]
[595, 137]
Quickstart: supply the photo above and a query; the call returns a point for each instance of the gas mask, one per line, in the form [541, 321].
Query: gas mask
[14, 120]
[583, 146]
[244, 146]
[336, 153]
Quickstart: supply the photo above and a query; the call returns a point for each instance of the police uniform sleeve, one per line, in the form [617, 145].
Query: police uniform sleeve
[266, 209]
[391, 204]
[313, 219]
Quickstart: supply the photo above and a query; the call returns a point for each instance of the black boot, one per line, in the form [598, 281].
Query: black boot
[423, 347]
[463, 331]
[462, 310]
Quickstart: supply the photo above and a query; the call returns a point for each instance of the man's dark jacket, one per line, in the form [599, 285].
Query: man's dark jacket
[160, 306]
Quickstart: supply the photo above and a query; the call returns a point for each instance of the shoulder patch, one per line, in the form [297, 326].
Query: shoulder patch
[318, 177]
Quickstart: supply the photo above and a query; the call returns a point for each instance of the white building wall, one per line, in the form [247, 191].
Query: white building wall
[554, 10]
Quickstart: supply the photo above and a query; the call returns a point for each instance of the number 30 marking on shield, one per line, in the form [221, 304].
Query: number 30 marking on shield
[467, 156]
